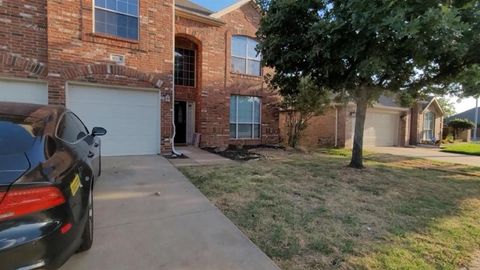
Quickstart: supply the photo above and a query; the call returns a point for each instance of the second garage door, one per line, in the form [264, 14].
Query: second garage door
[23, 91]
[381, 129]
[131, 117]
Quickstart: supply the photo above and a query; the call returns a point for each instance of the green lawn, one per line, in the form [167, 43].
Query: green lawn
[309, 211]
[463, 148]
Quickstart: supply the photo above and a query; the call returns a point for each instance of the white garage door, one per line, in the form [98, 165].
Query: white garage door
[23, 91]
[381, 129]
[131, 117]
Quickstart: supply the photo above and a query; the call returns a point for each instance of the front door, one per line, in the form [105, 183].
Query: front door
[181, 122]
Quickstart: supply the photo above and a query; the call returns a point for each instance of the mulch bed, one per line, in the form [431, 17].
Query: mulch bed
[240, 153]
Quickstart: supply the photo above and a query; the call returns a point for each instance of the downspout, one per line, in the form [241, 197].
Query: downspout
[172, 140]
[336, 126]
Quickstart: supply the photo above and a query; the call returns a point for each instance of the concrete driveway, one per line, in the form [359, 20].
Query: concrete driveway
[178, 228]
[429, 153]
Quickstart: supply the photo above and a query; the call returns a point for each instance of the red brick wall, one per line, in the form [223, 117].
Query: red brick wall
[218, 83]
[23, 38]
[75, 51]
[64, 49]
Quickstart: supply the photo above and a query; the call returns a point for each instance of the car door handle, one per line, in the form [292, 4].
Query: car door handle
[91, 154]
[96, 144]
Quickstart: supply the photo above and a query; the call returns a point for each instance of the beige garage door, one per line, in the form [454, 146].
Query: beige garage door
[381, 129]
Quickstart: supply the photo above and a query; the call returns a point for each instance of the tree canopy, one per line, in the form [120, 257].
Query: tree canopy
[447, 106]
[359, 49]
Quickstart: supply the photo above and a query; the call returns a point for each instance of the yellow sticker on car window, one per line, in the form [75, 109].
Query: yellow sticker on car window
[75, 185]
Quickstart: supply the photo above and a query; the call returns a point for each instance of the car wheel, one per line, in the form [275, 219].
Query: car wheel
[87, 236]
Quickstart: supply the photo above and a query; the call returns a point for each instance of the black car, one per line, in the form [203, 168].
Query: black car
[49, 162]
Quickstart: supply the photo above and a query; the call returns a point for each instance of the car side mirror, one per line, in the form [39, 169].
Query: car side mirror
[98, 131]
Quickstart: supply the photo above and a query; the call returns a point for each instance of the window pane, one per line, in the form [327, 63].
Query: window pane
[245, 109]
[252, 52]
[239, 46]
[233, 109]
[256, 131]
[111, 29]
[184, 67]
[100, 27]
[122, 7]
[116, 24]
[100, 3]
[253, 68]
[233, 131]
[112, 4]
[133, 9]
[244, 131]
[256, 106]
[238, 65]
[100, 16]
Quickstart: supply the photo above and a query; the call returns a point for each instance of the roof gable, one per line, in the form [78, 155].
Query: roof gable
[433, 102]
[190, 6]
[233, 7]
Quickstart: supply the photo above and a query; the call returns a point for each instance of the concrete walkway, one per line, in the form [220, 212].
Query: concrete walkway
[429, 153]
[198, 157]
[176, 229]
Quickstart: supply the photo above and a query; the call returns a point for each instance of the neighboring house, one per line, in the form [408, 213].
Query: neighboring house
[469, 115]
[427, 121]
[387, 124]
[112, 63]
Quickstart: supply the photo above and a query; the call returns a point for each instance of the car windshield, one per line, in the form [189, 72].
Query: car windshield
[18, 133]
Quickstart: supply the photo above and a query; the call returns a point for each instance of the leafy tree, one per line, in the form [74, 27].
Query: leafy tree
[447, 106]
[301, 106]
[459, 125]
[359, 49]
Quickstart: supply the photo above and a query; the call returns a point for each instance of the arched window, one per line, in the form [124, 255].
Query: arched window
[429, 126]
[245, 58]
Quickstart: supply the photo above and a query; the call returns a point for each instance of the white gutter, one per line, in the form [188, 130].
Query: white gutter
[172, 140]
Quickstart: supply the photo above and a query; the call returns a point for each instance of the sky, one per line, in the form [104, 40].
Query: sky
[214, 5]
[463, 104]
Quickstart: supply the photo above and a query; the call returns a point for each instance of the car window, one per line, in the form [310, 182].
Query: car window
[18, 133]
[71, 129]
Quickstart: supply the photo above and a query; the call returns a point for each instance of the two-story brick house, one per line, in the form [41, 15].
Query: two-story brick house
[128, 64]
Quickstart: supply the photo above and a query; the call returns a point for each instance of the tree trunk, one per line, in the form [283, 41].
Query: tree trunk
[361, 114]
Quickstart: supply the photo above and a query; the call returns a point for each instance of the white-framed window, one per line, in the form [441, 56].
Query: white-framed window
[117, 18]
[245, 58]
[429, 126]
[245, 117]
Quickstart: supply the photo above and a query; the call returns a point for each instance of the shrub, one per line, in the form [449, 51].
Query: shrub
[459, 125]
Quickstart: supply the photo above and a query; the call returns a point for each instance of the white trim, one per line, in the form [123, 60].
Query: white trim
[184, 13]
[231, 8]
[17, 79]
[438, 106]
